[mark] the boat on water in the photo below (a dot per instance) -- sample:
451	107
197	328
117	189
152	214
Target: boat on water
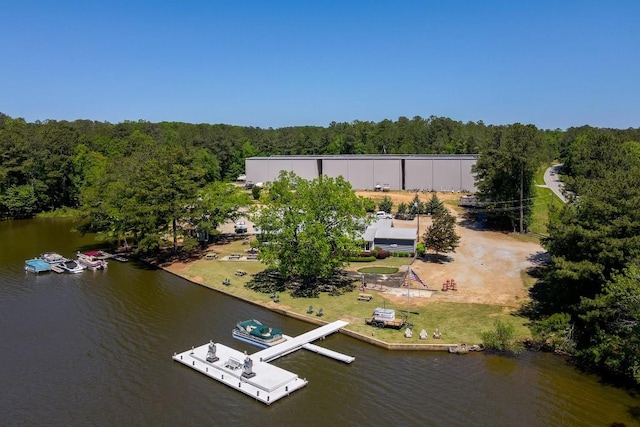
37	265
254	332
71	266
52	258
93	260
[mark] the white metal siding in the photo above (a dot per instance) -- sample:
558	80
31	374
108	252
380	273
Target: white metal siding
360	173
437	173
305	168
446	175
277	165
257	170
468	180
418	174
335	168
388	172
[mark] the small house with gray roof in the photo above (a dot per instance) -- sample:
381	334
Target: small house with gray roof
382	234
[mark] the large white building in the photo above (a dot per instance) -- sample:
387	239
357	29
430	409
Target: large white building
397	172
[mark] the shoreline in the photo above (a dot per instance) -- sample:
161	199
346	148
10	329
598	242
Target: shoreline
367	339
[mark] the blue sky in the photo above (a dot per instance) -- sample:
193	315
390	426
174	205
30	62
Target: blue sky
555	64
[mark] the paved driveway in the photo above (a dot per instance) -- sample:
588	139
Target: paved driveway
553	182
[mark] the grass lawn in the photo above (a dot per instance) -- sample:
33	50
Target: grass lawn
546	204
457	322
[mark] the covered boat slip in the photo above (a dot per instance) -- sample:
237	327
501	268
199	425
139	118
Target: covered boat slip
269	383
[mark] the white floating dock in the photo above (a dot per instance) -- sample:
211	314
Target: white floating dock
295	343
329	353
268	383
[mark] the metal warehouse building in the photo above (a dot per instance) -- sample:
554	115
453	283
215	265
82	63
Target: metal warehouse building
398	172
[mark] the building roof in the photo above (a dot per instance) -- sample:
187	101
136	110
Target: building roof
372	232
396	233
382	223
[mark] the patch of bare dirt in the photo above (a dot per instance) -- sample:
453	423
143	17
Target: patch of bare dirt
486	267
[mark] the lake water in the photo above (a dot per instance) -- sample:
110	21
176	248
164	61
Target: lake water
95	349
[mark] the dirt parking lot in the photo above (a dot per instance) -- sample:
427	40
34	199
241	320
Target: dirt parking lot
488	266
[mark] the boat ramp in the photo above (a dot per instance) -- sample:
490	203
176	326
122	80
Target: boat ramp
254	375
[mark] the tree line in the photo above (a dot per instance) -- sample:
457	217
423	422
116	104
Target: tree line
587	300
46	165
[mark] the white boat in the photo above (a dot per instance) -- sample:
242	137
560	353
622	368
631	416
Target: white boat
254	332
92	260
71	266
52	257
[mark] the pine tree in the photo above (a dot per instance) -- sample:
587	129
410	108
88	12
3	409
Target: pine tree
441	236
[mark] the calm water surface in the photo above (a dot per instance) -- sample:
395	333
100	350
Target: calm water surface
95	349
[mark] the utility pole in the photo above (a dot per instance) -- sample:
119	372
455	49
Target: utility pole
522	197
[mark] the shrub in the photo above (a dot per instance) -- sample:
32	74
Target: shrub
420	249
362	259
554	333
368	204
400	254
382	253
255	192
502	338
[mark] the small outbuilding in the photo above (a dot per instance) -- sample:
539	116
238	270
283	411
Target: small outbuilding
381	234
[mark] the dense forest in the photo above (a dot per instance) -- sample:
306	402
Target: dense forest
47	165
587	301
143	181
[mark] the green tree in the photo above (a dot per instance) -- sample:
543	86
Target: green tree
505	173
441	235
216	204
368	204
590	243
18	202
168	184
609	327
386	204
434	205
255	192
309	228
416	206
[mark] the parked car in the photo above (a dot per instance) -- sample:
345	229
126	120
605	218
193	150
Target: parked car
383	215
240	227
